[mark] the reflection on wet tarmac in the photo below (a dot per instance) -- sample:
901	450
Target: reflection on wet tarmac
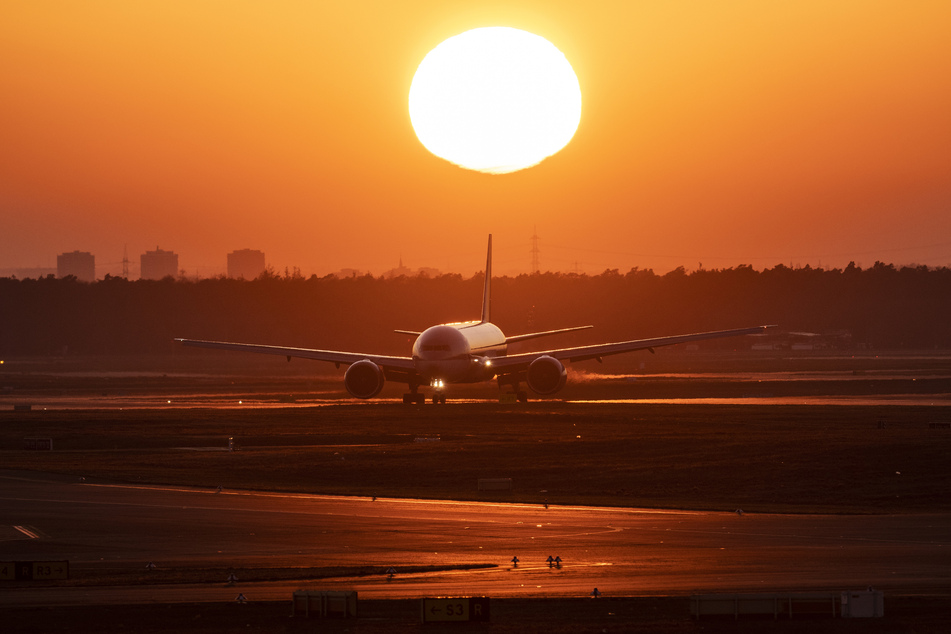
897	399
217	402
911	382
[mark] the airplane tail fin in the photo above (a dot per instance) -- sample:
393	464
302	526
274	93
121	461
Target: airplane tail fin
486	290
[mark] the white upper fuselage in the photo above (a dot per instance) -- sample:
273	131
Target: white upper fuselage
458	353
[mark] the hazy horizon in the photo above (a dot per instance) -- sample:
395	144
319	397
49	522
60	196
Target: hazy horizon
510	269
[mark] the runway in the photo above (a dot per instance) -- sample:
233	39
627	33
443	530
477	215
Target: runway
622	552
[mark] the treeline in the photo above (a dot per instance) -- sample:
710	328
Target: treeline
883	307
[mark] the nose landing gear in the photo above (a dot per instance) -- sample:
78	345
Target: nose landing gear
439	397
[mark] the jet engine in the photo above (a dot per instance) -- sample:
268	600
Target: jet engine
364	379
546	375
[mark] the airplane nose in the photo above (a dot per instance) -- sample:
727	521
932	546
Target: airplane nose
441	352
440	343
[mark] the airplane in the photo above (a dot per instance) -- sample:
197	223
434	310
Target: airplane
467	352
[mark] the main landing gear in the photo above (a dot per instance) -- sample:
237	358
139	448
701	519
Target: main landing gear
414	398
520	395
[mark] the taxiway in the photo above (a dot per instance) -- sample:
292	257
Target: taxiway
102	527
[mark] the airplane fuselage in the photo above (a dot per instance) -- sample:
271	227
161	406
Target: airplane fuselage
458	353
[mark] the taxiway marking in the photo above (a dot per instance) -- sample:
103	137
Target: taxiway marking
27	532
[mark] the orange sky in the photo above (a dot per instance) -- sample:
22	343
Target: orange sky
729	132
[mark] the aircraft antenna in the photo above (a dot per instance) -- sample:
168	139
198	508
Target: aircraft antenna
535	267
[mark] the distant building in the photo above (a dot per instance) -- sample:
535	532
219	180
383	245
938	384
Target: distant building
400	271
245	263
158	264
24	273
345	273
405	271
81	264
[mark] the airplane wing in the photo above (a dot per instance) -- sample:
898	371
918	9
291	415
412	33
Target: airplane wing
389	364
516	362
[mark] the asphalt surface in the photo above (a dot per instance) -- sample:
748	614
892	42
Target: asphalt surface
100	528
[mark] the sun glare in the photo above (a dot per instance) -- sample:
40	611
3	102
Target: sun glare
495	100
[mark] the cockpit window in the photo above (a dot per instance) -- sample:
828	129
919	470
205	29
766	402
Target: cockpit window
435	348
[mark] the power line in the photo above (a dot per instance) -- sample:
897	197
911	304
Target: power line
745	258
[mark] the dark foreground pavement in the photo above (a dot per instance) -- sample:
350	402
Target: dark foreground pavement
627	614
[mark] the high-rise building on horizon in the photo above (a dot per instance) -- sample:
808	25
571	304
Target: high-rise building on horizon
81	264
158	264
246	264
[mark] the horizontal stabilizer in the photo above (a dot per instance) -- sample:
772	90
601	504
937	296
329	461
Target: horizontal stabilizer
535	335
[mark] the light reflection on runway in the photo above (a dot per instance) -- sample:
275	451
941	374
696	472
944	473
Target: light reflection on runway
217	402
881	399
108	528
855	382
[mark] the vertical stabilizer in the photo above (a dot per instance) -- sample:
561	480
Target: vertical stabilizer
486	291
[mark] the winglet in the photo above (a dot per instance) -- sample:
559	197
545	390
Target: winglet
486	291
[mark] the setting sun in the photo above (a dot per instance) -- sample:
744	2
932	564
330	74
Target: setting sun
495	100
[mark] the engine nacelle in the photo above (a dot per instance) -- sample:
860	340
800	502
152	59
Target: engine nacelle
546	375
364	379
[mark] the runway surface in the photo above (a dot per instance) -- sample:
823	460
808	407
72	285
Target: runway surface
629	552
216	401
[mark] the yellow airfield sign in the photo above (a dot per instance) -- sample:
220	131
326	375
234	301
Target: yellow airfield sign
454	609
33	570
